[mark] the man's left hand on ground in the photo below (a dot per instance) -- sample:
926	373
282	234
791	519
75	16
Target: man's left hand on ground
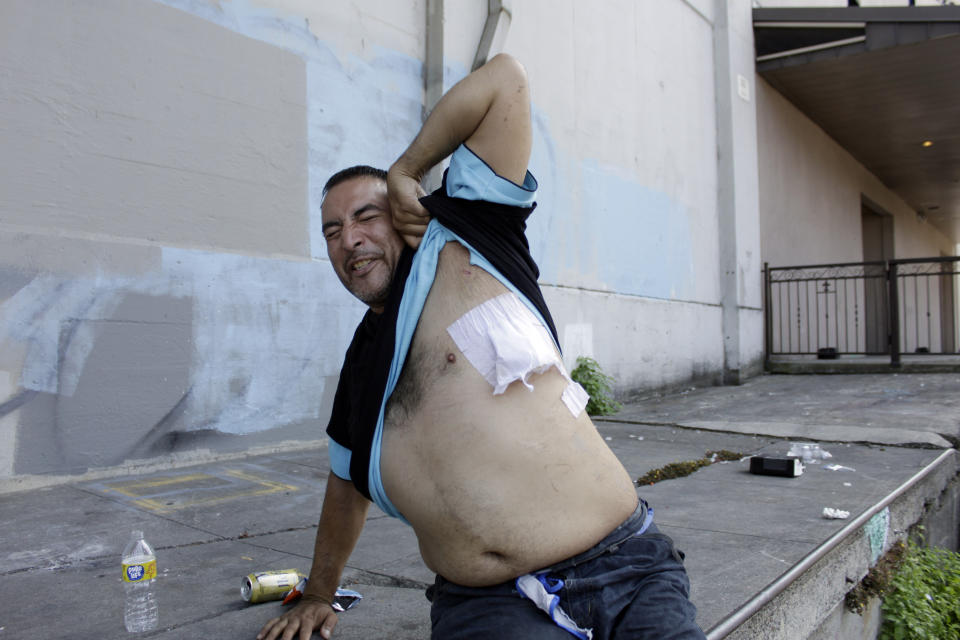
300	622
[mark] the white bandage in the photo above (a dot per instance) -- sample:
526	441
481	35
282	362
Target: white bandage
506	342
574	396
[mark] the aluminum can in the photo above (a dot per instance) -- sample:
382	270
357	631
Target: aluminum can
264	586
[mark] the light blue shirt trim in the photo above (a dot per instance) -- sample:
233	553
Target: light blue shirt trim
339	459
423	270
470	178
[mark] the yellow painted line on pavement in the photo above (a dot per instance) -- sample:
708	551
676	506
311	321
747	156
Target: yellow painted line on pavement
130	489
147	492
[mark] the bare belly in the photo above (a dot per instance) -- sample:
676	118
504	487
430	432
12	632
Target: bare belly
494	486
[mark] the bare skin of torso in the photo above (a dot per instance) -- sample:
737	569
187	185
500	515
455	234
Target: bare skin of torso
494	486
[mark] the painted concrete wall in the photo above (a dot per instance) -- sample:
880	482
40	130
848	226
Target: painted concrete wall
164	287
627	151
158	289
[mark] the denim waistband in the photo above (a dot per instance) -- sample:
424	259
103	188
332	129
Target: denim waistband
638	522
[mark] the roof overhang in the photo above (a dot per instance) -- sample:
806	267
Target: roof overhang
882	82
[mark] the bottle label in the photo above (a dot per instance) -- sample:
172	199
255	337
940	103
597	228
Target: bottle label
140	572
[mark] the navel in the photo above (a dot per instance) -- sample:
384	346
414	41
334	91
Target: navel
451	358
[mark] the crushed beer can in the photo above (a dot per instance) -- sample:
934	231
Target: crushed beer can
288	585
263	586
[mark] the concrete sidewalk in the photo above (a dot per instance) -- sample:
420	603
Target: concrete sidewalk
214	523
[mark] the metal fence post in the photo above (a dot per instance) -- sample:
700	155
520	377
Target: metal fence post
767	317
894	302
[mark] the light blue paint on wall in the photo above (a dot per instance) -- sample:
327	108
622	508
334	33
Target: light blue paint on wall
36	315
638	239
556	199
597	227
359	111
281	326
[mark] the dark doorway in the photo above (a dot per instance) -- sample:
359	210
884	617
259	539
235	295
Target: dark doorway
877	231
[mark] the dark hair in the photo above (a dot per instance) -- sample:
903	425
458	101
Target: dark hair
356	171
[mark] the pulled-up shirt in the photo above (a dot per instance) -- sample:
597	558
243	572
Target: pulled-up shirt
485	213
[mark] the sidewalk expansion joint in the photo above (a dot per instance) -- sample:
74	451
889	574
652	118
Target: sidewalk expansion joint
186	623
374	579
778	538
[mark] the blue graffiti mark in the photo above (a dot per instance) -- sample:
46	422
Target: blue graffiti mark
876	531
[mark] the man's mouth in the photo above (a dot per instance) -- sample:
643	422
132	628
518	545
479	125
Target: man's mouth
362	266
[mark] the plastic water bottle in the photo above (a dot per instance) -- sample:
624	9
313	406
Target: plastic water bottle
139	575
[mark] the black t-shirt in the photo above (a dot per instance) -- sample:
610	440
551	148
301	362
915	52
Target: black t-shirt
497	232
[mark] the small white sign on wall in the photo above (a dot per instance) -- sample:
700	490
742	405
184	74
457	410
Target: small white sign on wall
743	87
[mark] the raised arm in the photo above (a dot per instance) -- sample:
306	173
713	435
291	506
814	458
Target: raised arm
489	111
342	518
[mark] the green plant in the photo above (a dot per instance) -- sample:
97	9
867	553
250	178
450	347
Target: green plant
597	384
877	581
923	601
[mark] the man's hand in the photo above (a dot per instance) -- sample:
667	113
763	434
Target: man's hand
299	623
410	219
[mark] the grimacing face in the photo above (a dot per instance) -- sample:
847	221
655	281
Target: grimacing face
362	244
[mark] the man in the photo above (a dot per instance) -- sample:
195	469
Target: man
454	411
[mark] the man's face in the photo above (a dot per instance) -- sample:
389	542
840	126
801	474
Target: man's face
361	241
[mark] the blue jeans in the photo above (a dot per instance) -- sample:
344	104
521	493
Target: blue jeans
626	587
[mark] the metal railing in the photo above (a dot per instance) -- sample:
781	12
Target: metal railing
894	307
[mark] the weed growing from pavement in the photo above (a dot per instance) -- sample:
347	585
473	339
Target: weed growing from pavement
877	581
597	384
681	469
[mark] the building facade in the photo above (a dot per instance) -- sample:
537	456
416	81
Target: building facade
164	287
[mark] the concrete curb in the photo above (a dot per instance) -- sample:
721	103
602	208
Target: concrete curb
799	602
813	432
840	367
153	465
